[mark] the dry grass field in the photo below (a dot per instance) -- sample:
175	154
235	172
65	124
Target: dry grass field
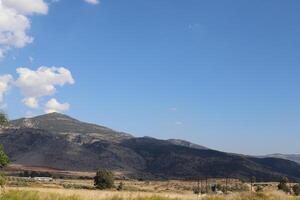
70	194
22	189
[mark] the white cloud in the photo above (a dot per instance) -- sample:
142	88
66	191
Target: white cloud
27	7
31	102
14	22
5	82
54	106
92	1
40	83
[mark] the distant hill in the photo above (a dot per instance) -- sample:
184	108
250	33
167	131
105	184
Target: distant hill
292	157
61	142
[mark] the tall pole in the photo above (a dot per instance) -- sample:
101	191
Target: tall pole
251	188
206	186
198	195
226	183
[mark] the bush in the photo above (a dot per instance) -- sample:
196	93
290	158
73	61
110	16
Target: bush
296	189
104	179
2	180
120	186
283	185
259	188
77	186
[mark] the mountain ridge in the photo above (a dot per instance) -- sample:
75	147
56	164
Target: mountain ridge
62	142
292	157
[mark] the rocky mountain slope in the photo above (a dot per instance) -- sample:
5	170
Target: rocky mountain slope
61	142
62	124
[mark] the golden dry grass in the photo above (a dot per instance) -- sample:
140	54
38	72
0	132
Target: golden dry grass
66	194
105	195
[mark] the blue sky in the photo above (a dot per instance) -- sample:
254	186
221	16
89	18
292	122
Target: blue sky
224	74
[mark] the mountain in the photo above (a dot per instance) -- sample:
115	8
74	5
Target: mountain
61	142
292	157
63	124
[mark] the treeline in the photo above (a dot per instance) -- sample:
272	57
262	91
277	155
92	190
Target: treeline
33	174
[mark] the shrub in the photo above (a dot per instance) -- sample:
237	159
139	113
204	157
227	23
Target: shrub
296	189
120	186
77	186
2	180
283	185
104	179
259	188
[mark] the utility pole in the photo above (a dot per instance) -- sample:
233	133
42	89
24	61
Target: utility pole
198	195
226	183
206	186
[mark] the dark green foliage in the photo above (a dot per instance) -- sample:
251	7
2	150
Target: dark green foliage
296	189
104	179
283	185
3	158
3	119
33	174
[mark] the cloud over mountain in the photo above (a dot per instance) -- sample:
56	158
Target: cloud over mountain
53	106
35	84
42	82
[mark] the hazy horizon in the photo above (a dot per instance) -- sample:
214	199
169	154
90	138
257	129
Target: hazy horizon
222	74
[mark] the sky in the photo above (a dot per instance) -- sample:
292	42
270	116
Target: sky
223	74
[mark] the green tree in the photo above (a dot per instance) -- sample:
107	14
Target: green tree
3	120
283	185
296	189
3	158
104	179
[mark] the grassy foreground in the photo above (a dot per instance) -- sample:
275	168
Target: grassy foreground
86	195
